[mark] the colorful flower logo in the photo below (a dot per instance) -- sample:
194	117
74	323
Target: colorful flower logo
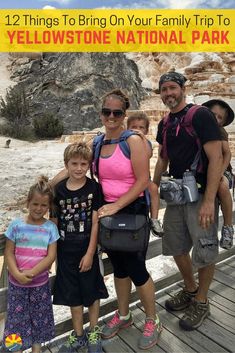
13	342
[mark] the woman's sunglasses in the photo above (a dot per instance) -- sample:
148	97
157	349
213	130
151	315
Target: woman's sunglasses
118	113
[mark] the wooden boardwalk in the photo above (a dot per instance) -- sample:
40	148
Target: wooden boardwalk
216	334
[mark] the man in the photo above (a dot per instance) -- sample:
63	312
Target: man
191	225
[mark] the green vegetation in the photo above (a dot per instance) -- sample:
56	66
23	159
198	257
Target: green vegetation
15	110
47	126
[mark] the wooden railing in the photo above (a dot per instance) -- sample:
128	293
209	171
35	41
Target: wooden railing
154	250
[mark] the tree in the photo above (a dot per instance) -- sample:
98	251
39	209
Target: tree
15	110
48	126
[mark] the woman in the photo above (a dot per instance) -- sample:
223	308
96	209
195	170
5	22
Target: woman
123	180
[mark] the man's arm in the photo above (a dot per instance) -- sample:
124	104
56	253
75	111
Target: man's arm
213	150
161	167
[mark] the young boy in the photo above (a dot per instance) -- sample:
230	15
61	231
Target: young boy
139	121
224	116
78	280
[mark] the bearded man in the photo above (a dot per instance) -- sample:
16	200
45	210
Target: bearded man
192	225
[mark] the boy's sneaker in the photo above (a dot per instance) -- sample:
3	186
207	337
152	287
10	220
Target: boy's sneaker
74	343
150	335
156	227
194	315
180	300
226	241
94	340
114	325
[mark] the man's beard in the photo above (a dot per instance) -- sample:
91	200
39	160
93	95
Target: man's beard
172	102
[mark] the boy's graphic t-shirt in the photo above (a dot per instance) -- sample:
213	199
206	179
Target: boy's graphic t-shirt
31	246
73	209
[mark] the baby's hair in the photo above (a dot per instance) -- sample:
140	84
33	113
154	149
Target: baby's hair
78	149
117	94
43	187
138	116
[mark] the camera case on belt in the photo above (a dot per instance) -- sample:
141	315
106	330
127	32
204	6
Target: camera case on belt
179	191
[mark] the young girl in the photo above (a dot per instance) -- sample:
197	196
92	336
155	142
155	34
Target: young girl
30	251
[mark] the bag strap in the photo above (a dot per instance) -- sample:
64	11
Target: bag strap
186	123
99	141
96	148
166	124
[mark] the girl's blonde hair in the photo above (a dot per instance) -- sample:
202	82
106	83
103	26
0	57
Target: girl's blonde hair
78	149
43	187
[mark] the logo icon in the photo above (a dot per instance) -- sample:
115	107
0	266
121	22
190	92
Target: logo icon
13	342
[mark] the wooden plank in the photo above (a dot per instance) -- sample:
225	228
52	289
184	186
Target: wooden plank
222	318
169	280
223	290
4	275
116	345
231	261
212	329
225	254
195	339
218	334
154	248
3	300
45	349
222	303
228	270
224	278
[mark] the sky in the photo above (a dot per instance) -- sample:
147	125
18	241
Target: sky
148	4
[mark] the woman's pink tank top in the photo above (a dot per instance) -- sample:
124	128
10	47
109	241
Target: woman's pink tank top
116	175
